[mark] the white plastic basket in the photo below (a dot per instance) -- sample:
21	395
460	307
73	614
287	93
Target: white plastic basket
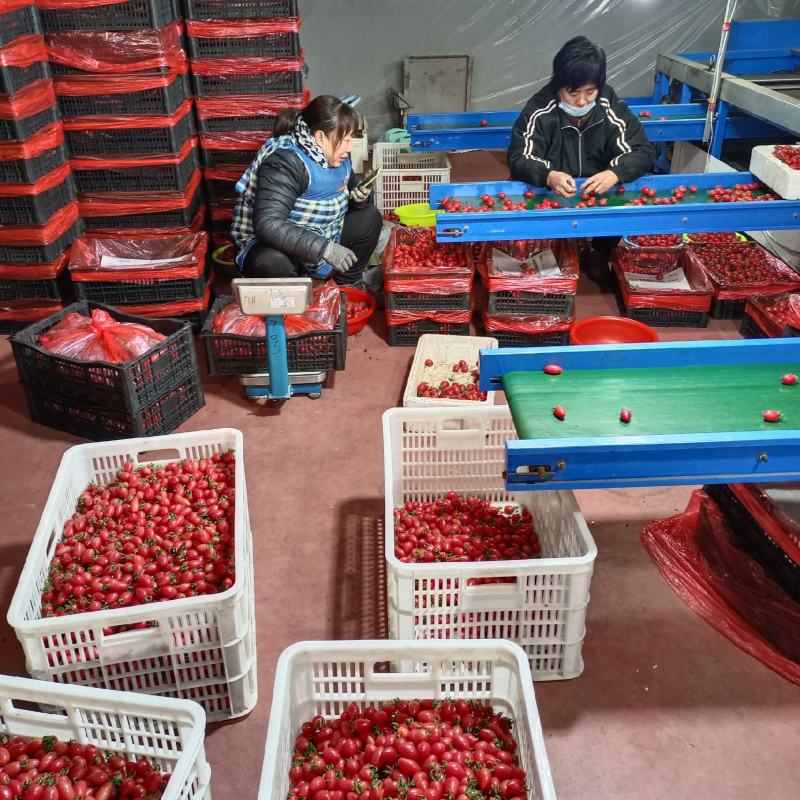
780	177
324	677
431	451
405	176
168	732
199	648
444	351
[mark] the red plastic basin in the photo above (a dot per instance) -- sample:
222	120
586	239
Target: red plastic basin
357	323
611	330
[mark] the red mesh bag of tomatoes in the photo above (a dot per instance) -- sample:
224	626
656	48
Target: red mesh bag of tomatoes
740	270
773	314
699	555
520	271
99	338
321	315
651	255
414	252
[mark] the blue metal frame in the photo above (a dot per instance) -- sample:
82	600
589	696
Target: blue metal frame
570	223
617	461
681	125
280	386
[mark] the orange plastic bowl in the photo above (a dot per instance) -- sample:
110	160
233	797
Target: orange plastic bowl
357	323
611	330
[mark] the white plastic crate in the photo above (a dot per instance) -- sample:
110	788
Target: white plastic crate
431	451
199	648
168	732
444	351
780	177
325	677
405	176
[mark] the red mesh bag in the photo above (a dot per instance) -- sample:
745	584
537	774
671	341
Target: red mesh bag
118	51
529	280
126	258
321	315
91	85
245	105
237	29
31	99
773	314
697	553
99	338
660	294
33	235
47	138
23	51
45	183
526	325
444	317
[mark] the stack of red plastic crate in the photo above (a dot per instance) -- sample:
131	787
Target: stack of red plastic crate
530	291
246	66
38	209
121	78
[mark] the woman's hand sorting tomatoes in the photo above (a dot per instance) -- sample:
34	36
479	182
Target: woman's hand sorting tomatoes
48	769
409	749
456	528
155	533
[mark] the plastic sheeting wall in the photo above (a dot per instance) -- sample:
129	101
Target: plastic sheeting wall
358	46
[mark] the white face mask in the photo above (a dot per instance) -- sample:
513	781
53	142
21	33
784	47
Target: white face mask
574	111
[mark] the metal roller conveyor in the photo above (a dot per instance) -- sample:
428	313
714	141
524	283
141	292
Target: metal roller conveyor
697	413
694	214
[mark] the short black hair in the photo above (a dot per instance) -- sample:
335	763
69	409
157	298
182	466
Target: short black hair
577	63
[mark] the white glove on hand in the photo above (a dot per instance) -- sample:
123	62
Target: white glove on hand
339	257
359	195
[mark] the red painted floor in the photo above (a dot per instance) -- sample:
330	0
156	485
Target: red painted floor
666	707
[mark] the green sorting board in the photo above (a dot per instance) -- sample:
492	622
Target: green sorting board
662	400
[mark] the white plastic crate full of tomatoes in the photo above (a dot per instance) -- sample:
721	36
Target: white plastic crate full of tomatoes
139	577
466	559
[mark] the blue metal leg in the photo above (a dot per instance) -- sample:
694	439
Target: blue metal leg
686	93
718	131
661	87
279	387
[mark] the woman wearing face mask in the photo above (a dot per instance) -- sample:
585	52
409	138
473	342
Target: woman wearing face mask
299	212
576	126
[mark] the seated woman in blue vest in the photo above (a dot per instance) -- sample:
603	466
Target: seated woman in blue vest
299	213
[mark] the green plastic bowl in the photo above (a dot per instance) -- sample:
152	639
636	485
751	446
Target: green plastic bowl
416	215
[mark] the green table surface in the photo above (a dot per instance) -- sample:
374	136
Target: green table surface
662	400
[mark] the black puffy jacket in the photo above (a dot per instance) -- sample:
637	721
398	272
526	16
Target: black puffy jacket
282	177
544	138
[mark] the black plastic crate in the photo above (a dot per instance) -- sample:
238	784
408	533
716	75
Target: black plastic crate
283	82
272	45
99	423
790	331
20	22
755	539
165	177
750	329
416	301
229	354
29	170
38	208
220	191
12	79
27	126
128	387
40	253
57	288
120	293
218	158
727	309
664	317
239	9
509	339
178	218
407	335
161	100
530	304
126	16
130	141
256	122
67	69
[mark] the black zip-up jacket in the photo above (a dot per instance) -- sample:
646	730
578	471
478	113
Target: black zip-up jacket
544	138
282	178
